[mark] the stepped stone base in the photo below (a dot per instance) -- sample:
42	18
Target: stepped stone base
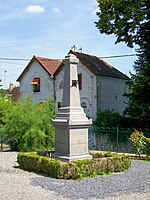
65	158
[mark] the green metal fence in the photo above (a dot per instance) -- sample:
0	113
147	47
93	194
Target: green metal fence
117	135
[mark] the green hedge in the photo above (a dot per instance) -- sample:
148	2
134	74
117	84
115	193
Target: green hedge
73	170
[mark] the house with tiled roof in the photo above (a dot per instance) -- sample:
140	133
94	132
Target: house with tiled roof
37	80
101	86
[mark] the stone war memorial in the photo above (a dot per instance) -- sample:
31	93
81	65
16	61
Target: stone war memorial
71	124
71	139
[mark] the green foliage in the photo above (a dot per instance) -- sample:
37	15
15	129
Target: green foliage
108	122
147	146
2	92
5	107
122	18
117	128
40	164
29	126
129	21
75	169
138	141
33	140
113	119
139	98
107	119
139	107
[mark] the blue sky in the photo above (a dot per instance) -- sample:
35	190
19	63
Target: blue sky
49	28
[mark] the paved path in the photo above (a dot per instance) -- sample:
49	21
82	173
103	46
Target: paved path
16	184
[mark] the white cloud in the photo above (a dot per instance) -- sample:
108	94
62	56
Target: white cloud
35	9
56	10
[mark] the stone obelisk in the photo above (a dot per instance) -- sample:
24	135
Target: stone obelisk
71	124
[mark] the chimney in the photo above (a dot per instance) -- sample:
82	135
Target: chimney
10	86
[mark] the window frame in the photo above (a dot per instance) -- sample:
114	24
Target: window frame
36	87
80	81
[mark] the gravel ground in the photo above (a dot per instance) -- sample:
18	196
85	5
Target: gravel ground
16	184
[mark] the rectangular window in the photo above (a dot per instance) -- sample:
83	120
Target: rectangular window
36	84
80	81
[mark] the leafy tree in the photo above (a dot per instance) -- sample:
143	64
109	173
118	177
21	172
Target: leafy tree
113	119
139	97
28	126
129	21
107	119
123	18
5	107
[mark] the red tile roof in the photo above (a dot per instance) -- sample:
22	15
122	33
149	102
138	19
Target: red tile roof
50	65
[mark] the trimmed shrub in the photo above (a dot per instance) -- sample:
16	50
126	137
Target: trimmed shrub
30	161
100	154
40	164
75	169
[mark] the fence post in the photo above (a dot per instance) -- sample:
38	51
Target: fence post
117	134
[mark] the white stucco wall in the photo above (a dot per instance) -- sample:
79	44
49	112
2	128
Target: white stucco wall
46	83
59	81
110	94
88	92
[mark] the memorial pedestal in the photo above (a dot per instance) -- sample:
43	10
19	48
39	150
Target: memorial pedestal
71	124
